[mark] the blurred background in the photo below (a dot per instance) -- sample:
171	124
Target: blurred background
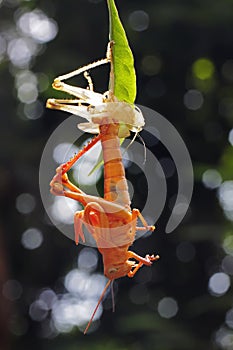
48	286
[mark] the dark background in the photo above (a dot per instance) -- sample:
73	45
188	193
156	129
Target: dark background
175	35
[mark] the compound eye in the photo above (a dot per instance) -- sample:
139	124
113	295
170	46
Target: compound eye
112	270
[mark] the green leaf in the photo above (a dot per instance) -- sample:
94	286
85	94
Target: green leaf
123	62
98	164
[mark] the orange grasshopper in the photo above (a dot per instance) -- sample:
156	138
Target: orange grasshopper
110	220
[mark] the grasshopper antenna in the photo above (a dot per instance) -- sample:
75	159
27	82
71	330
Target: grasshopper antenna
132	141
144	145
113	298
98	304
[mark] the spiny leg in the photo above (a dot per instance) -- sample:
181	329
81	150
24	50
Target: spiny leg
60	181
136	214
78	222
83	69
145	261
89	66
87	96
142	261
68	165
61	177
79	107
149	258
84	95
68	104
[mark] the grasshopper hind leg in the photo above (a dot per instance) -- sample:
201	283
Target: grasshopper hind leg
78	223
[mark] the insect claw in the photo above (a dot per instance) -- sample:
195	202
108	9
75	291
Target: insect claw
154	257
57	84
50	103
56	188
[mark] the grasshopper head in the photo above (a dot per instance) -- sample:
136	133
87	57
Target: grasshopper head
115	271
